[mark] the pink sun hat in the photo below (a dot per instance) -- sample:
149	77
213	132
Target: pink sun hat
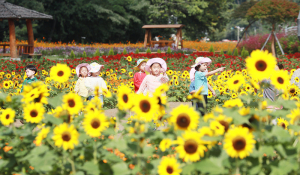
80	66
203	60
197	61
156	60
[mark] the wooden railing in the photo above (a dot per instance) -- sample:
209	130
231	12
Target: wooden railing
21	49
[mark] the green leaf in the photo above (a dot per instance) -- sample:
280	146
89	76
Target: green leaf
148	151
53	120
281	134
280	149
212	165
255	170
268	150
284	167
56	100
187	169
79	173
91	168
120	168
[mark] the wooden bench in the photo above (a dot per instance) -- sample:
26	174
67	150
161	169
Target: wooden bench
162	43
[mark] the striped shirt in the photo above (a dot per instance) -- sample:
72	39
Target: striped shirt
150	83
269	92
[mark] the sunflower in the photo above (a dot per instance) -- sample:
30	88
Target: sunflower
106	93
171	82
280	79
209	94
296	79
41	135
73	71
165	144
125	98
107	73
233	95
225	121
65	136
63	113
282	122
94	123
176	83
169	166
60	73
294	115
292	89
6	84
72	103
261	64
129	58
130	74
123	71
206	131
239	142
33	112
295	98
184	118
145	107
7	116
217	127
235	82
8	76
190	146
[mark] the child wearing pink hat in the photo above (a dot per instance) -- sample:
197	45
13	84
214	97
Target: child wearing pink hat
155	66
82	71
95	81
201	81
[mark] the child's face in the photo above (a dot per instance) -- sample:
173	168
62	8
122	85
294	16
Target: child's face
155	68
203	67
95	74
83	71
142	66
29	73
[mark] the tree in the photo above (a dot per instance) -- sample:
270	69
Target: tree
273	12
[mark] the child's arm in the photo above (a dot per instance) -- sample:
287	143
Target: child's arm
143	86
103	85
76	89
137	82
221	69
164	78
211	89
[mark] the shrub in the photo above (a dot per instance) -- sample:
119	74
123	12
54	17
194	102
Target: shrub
97	53
229	52
137	50
169	51
236	52
111	52
84	54
222	52
158	51
211	49
72	54
148	50
124	51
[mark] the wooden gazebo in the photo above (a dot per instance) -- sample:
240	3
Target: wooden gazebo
13	12
148	41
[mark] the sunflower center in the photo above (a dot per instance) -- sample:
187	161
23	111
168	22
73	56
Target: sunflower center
6	84
125	98
71	103
33	113
190	146
239	143
283	125
183	120
236	82
159	101
66	136
225	124
169	170
280	80
261	65
292	91
95	123
7	116
60	73
145	106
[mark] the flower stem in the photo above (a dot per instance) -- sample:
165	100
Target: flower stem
72	163
237	172
95	152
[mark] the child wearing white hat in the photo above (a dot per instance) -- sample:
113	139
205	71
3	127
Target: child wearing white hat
95	81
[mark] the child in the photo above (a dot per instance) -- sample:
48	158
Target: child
155	66
201	80
95	81
30	71
139	76
193	71
82	71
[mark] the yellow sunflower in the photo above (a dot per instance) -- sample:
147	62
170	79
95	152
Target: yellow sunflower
261	64
7	117
73	103
60	73
170	72
73	71
165	144
282	122
145	107
292	89
129	58
217	127
125	98
106	93
6	84
190	146
33	112
296	79
130	74
294	115
41	135
280	79
94	123
65	136
184	118
239	142
235	82
169	166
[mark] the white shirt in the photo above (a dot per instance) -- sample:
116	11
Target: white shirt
92	82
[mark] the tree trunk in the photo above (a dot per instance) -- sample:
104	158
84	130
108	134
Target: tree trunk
273	41
12	39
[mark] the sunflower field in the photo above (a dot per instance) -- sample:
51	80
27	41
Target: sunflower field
241	133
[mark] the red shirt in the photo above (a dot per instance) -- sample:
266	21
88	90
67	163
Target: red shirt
138	79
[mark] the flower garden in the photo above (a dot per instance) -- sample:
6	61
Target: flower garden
64	134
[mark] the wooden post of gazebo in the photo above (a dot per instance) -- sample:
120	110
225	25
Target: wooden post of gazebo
13	12
148	37
30	35
12	38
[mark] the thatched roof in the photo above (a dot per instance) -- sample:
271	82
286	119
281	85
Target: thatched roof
11	11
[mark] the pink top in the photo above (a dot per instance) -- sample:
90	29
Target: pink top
138	79
150	83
